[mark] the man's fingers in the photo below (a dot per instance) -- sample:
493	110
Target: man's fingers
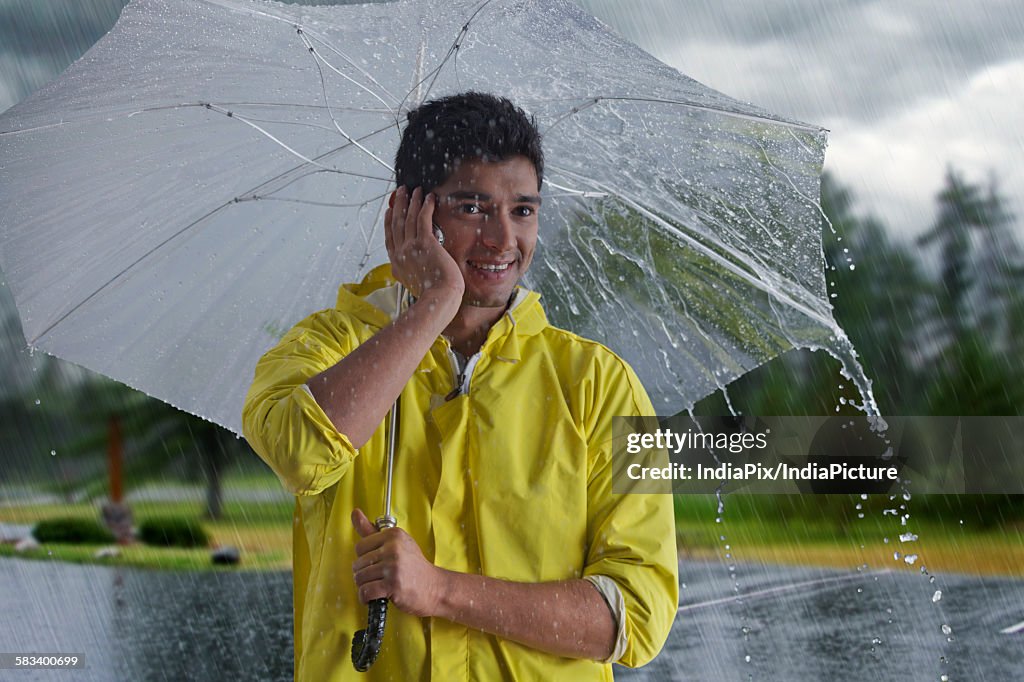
394	223
362	524
371	572
425	224
373	557
413	212
389	243
373	590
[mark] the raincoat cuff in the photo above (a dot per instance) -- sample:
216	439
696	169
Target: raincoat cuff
340	448
613	597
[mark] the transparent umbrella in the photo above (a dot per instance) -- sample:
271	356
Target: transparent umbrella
211	170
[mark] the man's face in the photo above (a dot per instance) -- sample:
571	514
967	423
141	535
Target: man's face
488	213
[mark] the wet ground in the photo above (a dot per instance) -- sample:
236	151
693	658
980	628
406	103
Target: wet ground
794	624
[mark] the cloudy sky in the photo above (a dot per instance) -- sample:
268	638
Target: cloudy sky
906	87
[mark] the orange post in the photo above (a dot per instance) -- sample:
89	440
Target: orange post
114	456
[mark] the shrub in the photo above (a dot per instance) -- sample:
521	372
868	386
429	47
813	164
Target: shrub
72	531
173	532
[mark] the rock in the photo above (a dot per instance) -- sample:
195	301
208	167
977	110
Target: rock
118	518
107	553
226	555
26	544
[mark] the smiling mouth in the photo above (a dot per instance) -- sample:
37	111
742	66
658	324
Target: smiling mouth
491	267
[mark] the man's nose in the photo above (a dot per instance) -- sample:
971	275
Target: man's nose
498	233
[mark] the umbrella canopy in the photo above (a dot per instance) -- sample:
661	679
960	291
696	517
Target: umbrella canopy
211	170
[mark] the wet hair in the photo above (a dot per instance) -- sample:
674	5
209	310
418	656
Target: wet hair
443	132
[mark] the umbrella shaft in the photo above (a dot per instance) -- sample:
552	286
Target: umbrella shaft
392	437
387	520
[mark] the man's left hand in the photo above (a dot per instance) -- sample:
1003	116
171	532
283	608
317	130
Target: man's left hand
390	565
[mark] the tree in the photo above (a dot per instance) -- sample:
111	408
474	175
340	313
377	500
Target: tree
155	435
980	261
978	313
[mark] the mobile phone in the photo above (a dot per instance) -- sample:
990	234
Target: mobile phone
439	234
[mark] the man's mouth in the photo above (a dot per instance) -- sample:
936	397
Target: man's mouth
491	267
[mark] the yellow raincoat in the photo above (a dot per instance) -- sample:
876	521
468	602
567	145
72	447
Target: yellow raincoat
511	479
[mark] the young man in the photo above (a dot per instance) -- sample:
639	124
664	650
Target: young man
512	559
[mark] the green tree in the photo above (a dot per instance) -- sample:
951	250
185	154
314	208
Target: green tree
977	313
156	437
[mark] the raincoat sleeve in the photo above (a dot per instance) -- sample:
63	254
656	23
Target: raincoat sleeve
281	420
631	537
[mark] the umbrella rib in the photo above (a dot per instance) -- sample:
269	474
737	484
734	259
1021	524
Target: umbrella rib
693	105
296	25
155	248
128	267
310	202
231	114
569	192
351	63
317	57
572	111
117	276
327	103
295	168
451	50
186	105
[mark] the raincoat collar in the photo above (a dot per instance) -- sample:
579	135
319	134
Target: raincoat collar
373	301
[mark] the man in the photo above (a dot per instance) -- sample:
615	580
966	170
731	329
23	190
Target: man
512	559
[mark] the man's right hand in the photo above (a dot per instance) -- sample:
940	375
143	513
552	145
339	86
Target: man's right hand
357	392
417	259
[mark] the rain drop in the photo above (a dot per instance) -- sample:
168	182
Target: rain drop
937	596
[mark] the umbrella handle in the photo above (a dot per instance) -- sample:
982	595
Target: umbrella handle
366	643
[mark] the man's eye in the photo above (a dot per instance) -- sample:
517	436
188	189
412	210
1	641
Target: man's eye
525	211
472	209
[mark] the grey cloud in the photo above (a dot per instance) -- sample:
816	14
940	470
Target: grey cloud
877	56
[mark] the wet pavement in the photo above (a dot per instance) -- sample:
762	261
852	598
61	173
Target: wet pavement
788	623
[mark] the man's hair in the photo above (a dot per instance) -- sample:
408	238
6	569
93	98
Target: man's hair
443	132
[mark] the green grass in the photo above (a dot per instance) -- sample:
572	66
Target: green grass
142	556
810	529
826	530
261	530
